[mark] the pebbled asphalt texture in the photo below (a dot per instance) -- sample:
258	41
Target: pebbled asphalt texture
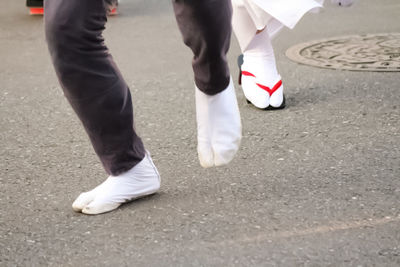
315	184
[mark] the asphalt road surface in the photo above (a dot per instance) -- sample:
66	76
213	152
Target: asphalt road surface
315	184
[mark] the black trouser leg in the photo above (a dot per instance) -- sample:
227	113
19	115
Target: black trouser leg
206	29
91	81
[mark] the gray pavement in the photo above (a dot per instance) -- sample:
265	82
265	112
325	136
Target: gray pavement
316	184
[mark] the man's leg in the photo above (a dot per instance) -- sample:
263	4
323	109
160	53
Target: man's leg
97	92
91	81
206	29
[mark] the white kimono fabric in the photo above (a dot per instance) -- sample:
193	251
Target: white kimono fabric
252	15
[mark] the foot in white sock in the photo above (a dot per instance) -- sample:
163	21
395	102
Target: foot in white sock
261	82
219	129
140	181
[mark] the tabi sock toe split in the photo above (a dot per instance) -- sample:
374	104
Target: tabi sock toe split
142	180
218	127
259	72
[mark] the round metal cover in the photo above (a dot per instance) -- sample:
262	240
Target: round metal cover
370	52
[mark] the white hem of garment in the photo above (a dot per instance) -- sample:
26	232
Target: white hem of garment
272	15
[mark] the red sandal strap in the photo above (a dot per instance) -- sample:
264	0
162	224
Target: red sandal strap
246	73
269	90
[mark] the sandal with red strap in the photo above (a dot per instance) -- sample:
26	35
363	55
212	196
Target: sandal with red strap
270	91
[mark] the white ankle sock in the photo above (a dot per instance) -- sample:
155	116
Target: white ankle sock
259	71
219	129
141	180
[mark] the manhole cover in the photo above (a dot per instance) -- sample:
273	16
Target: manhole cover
371	52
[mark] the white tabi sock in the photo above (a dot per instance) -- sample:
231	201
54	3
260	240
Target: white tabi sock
219	129
142	180
261	82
